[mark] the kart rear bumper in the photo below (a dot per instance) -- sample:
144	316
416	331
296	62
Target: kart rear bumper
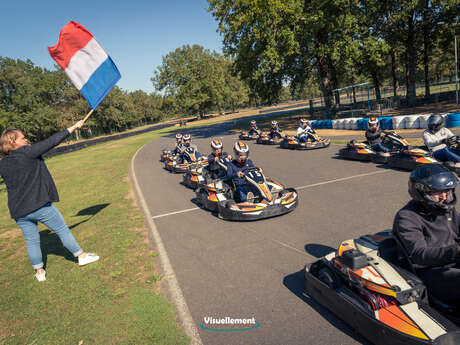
318	145
354	155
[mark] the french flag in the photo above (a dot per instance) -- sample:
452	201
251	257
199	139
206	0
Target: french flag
85	62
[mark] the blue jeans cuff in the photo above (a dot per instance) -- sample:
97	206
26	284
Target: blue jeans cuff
38	266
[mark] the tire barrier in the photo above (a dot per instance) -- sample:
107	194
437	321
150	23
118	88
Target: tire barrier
387	122
453	120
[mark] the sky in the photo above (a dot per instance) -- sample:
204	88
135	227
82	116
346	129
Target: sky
137	34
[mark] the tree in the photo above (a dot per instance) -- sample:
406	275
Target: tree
196	80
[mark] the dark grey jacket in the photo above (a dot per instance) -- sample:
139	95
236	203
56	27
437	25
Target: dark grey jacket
28	181
431	241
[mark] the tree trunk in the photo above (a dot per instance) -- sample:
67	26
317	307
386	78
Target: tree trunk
426	47
411	61
393	72
323	63
376	81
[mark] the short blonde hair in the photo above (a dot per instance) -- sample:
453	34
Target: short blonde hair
8	139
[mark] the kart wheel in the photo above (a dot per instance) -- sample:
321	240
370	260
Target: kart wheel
329	278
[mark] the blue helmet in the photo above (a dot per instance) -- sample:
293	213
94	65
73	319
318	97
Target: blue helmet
431	178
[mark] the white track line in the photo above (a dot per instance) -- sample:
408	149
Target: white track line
297	188
181	305
175	212
342	179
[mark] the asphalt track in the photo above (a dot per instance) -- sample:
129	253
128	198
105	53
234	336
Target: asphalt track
254	269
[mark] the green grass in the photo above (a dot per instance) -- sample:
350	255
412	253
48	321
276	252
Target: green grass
117	300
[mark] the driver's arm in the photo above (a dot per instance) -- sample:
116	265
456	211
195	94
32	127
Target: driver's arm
410	230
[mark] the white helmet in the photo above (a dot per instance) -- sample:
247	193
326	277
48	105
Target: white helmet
178	136
303	121
373	124
241	149
216	144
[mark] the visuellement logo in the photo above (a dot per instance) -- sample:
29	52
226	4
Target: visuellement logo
229	324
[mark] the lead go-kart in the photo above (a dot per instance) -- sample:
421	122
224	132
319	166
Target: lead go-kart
180	163
198	173
249	136
270	198
402	156
367	284
269	139
293	143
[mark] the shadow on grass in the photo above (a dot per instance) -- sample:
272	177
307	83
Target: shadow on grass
50	242
295	282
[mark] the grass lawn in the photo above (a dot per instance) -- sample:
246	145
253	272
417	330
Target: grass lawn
114	301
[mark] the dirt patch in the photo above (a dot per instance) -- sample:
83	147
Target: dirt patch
10	234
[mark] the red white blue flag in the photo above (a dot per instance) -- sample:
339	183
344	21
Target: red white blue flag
85	62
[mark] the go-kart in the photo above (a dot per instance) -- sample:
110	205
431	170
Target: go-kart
365	285
180	163
293	143
165	154
198	174
402	155
194	175
357	151
249	136
411	158
268	139
269	199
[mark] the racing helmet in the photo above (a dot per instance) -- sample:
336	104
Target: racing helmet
241	149
274	124
187	138
216	144
373	124
253	123
178	136
426	180
435	123
303	121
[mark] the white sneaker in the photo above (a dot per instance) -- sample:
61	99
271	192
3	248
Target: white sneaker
89	258
41	277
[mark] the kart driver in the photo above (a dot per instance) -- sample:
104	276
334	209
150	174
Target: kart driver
215	170
436	137
189	148
428	227
275	131
374	135
236	169
179	145
305	132
253	129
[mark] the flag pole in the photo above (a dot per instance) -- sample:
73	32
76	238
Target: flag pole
88	115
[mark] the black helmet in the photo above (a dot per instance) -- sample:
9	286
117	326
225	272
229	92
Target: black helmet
429	179
435	123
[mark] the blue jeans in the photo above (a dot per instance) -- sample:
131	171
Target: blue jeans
242	192
380	148
445	155
52	218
